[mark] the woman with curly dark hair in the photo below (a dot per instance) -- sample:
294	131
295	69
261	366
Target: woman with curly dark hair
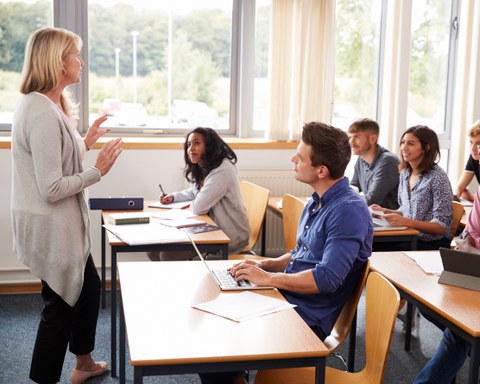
215	189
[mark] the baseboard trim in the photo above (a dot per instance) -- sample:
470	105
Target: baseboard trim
13	288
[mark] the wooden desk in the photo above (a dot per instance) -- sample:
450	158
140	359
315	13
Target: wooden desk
405	235
167	336
456	308
207	241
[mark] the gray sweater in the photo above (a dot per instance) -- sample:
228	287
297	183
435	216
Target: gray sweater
221	199
50	222
379	180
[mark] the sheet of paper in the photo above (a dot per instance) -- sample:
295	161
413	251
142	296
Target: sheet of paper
374	212
243	306
172	214
174	205
152	233
466	203
429	261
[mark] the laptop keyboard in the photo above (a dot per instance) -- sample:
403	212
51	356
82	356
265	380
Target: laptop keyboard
227	280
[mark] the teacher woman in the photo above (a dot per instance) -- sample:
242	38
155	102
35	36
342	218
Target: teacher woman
50	221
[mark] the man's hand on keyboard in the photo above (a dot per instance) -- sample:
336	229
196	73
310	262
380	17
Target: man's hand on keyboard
251	271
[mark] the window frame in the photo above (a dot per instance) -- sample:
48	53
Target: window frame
73	15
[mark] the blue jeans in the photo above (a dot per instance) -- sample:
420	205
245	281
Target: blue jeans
447	360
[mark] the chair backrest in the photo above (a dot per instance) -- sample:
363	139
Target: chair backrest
382	301
292	208
256	201
381	308
344	321
457	216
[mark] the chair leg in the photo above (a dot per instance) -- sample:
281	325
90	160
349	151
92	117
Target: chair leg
352	344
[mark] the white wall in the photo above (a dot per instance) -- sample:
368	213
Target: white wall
136	173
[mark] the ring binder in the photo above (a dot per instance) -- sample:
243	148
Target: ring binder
116	203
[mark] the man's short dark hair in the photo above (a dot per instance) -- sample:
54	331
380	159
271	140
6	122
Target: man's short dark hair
364	125
330	147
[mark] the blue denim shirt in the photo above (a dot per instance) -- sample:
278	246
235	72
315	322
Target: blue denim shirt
334	240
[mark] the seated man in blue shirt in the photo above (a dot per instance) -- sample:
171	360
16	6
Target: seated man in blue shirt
334	238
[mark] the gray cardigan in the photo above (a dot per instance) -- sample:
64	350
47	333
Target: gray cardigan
50	222
221	198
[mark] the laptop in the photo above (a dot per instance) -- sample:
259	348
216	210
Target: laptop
461	269
223	278
384	225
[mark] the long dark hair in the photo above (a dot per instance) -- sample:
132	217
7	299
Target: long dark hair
430	145
215	151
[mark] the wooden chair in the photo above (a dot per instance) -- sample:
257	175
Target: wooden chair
345	320
256	201
382	300
457	216
292	208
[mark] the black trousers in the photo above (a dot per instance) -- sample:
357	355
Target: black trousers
405	246
62	325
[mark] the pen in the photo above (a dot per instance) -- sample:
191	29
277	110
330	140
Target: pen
161	189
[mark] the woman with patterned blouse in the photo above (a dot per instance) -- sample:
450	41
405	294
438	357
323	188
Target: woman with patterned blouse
424	192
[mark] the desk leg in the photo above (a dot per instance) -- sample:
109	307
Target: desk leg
225	251
121	368
408	326
351	344
413	244
264	236
103	267
474	362
137	375
320	371
113	352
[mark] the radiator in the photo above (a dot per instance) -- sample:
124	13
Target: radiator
278	183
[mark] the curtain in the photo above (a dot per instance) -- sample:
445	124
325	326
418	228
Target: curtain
466	108
301	65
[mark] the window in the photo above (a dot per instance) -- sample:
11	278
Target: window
18	20
154	66
262	49
430	65
357	43
160	65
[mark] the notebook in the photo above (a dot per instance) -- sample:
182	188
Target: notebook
384	225
461	269
223	278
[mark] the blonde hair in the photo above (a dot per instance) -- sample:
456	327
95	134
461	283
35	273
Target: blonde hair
474	129
43	64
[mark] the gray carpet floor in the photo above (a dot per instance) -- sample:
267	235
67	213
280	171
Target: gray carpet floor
19	316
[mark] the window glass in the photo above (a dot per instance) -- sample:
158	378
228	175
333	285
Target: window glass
262	49
18	19
357	42
160	64
429	63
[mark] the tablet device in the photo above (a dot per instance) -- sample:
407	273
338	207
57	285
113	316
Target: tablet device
461	269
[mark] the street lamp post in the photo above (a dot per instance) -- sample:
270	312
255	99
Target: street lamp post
117	73
134	37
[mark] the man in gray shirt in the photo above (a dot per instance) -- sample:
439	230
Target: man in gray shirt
376	169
